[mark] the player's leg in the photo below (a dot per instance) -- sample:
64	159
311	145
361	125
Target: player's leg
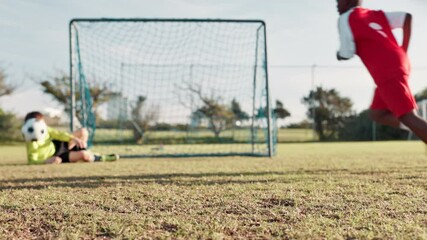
416	124
61	152
384	117
53	160
391	100
381	114
80	156
88	156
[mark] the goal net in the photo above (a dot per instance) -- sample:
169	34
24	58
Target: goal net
171	87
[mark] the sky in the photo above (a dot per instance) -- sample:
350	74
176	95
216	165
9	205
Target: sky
300	34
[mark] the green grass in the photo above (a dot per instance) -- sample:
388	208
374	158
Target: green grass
238	136
161	143
295	135
309	191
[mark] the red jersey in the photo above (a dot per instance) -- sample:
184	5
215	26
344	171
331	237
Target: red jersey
368	33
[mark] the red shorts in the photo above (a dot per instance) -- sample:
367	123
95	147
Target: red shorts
394	95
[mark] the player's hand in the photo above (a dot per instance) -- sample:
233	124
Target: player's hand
79	143
340	58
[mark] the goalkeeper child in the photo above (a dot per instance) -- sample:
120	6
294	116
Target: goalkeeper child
46	145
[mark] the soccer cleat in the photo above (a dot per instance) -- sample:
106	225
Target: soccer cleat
110	157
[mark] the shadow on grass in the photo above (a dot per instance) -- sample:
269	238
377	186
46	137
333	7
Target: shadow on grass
176	179
189	179
12	164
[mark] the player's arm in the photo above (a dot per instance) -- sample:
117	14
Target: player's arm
347	46
407	27
59	135
35	158
66	137
78	142
401	20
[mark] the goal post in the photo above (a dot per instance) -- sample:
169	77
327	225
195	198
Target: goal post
422	112
172	87
422	108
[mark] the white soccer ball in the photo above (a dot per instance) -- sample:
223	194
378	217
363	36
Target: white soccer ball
34	130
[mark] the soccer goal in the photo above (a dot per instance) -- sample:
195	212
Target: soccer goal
422	112
422	108
172	87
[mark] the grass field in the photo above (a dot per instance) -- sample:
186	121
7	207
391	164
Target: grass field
283	135
308	191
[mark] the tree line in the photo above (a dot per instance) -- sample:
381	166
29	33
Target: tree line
335	120
332	115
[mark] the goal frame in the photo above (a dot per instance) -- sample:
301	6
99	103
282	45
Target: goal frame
422	112
270	137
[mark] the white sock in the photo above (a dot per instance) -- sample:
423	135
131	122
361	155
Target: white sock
404	127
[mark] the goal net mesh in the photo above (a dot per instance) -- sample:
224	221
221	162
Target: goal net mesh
172	87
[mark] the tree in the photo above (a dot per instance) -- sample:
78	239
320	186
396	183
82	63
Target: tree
220	116
9	124
357	128
9	127
5	89
142	118
58	87
360	128
280	112
421	95
328	110
305	124
239	114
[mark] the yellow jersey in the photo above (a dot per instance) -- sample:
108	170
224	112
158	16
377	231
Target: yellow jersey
39	151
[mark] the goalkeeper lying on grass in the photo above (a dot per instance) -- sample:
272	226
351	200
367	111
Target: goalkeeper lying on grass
46	145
